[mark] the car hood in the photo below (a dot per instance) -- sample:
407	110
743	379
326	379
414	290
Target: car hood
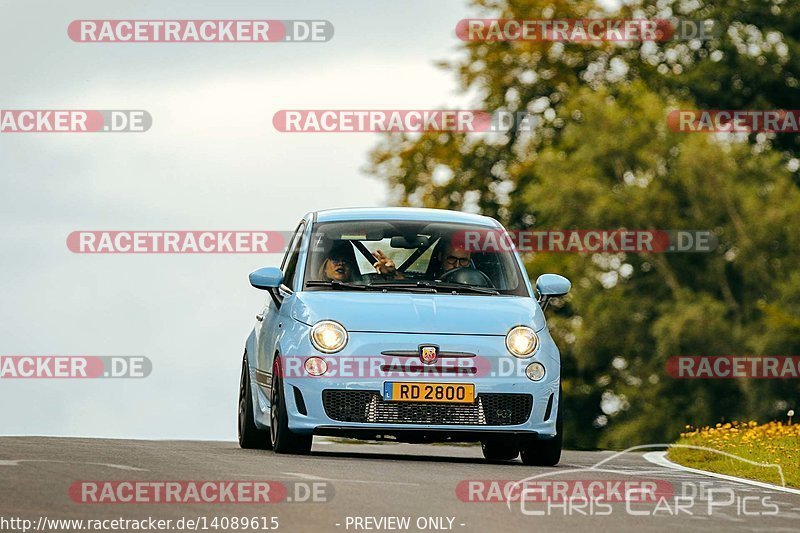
418	313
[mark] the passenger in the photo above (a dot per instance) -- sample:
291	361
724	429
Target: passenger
338	265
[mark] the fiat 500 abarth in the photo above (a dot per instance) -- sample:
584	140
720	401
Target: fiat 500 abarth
415	325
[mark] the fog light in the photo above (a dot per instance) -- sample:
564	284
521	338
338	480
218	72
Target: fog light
535	371
316	366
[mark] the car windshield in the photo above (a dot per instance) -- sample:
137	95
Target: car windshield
409	256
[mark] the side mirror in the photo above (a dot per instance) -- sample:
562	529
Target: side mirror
551	286
266	278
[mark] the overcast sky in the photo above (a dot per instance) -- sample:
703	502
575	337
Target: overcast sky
212	160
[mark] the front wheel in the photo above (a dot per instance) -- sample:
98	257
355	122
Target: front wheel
283	439
249	434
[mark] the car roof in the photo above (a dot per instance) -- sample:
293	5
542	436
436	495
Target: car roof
404	213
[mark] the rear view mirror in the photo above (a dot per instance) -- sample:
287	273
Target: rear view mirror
407	243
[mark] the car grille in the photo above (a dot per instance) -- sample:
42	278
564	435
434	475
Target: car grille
369	407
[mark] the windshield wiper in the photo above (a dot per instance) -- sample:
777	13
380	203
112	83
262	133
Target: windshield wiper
462	288
412	287
336	284
436	285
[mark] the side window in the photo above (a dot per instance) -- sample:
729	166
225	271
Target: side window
289	265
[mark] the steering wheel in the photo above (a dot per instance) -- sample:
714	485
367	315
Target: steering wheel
468	276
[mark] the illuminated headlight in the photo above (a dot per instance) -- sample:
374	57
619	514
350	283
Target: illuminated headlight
522	341
328	336
316	366
535	371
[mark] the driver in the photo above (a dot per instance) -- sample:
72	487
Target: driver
452	257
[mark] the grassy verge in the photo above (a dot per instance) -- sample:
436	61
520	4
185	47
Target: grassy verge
774	443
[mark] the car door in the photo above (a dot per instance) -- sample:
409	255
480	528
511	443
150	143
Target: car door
269	325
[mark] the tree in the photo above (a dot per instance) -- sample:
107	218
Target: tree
602	157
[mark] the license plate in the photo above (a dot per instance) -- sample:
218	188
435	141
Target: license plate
429	392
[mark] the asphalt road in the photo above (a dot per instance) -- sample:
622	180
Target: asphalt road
365	484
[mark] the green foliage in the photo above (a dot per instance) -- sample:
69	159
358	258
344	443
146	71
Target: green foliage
602	157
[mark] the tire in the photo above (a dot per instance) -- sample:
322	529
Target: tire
499	449
546	452
250	436
283	439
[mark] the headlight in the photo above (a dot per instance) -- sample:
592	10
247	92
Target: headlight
522	341
328	336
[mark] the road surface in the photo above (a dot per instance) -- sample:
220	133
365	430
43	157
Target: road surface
360	487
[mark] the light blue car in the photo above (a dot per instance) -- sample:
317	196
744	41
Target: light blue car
415	325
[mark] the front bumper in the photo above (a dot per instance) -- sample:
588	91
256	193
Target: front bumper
498	375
